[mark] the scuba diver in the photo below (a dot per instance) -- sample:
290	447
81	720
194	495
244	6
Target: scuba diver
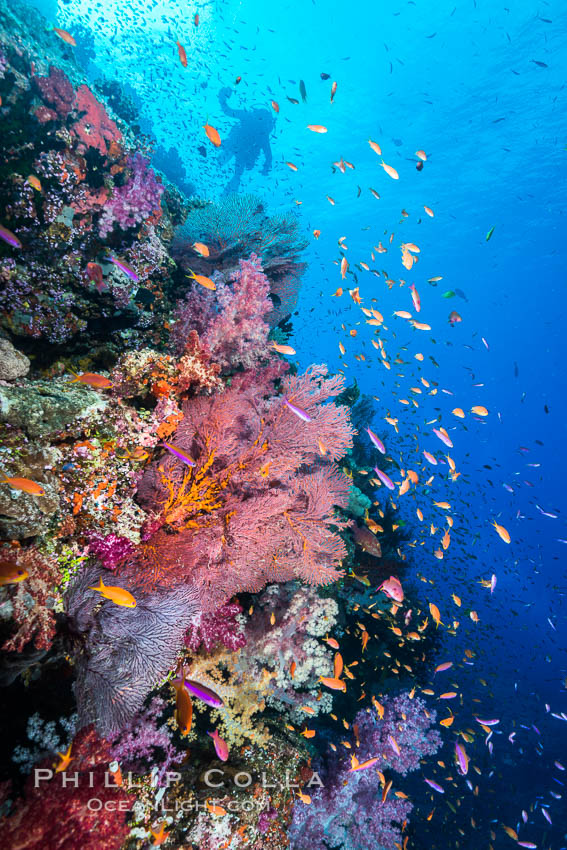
246	140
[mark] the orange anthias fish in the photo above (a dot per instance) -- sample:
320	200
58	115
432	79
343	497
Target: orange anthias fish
332	683
160	836
65	36
283	349
91	379
317	128
435	613
390	170
182	54
203	280
65	759
214	809
183	706
26	485
356	765
502	532
212	135
115	594
11	573
201	249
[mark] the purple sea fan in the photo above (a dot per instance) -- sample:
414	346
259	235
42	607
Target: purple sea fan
122	653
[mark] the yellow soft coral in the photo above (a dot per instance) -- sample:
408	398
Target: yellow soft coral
243	696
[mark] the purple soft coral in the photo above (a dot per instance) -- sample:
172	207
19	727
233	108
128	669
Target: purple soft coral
132	203
110	550
221	626
348	809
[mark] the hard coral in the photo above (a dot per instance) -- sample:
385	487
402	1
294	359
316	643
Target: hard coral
63	817
94	128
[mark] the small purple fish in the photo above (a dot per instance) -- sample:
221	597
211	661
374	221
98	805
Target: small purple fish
529	844
546	815
546	513
298	411
384	479
377	441
179	453
394	745
487	722
443	437
124	267
200	691
7	236
462	759
434	785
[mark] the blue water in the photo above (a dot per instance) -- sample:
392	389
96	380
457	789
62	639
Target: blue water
480	87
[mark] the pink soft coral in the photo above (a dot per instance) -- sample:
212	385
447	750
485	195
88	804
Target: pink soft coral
231	322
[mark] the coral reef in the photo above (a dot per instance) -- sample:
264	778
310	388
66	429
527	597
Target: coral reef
33	599
178	497
56	815
231	325
123	652
136	201
237	226
259	504
348	809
